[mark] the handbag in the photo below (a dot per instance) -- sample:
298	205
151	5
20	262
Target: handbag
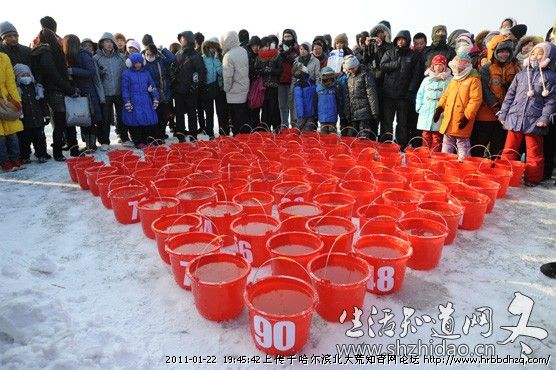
78	111
255	97
8	110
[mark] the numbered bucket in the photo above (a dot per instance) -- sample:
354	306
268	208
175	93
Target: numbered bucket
251	233
109	182
255	202
387	255
475	206
217	218
218	282
280	313
152	208
125	200
334	231
291	191
193	197
341	283
362	191
93	173
335	204
167	226
406	200
452	214
183	247
379	219
298	246
485	186
294	215
427	239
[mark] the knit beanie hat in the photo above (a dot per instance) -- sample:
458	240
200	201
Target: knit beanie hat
306	46
327	71
350	62
439	59
436	39
7	28
342	37
134	44
49	22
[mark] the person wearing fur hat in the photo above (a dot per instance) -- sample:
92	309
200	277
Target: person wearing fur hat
329	101
121	44
527	110
187	74
360	42
111	64
453	37
460	103
375	46
141	99
341	43
289	51
507	25
496	78
524	47
437	77
485	54
268	66
402	72
360	100
213	84
439	45
158	62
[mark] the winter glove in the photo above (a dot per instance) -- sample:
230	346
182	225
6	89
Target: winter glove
46	121
150	89
155	104
542	124
128	107
437	114
464	121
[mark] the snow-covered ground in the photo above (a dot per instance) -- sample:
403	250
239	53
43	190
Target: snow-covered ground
80	291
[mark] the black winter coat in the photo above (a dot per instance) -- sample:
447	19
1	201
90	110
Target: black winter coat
371	57
401	73
269	69
32	108
188	61
18	54
433	50
360	96
53	77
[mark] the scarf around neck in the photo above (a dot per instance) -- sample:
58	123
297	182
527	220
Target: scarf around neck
463	74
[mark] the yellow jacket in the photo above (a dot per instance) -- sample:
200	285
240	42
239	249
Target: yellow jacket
8	88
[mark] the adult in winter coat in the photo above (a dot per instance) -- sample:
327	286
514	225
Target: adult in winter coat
289	51
438	46
82	70
460	103
236	81
158	63
437	77
528	108
48	62
360	43
214	82
268	66
376	45
187	75
401	82
318	49
307	59
19	54
496	78
361	100
111	65
252	47
141	99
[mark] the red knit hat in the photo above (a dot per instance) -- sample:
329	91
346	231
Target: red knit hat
439	59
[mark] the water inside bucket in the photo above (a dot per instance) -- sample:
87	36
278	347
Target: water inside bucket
419	232
129	193
219	210
330	229
469	199
254	228
219	272
302	210
194	248
339	274
158	205
282	302
381	251
194	195
250	202
293	249
174	229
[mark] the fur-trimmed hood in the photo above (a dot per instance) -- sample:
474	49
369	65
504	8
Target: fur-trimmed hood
207	44
504	45
453	37
525	40
383	28
229	41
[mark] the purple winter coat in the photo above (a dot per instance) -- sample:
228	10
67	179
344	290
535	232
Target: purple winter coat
521	112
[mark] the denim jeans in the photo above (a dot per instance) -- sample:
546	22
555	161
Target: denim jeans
9	148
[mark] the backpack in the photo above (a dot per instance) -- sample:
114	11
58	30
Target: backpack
255	97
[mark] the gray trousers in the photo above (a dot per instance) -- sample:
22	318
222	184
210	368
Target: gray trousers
285	103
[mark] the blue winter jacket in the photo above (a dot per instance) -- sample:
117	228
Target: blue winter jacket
83	77
162	64
214	70
304	97
135	89
328	101
429	94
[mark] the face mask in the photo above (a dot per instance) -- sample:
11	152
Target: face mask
25	80
534	63
150	59
272	46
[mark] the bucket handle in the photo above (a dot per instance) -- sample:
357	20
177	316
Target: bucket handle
500	158
201	256
254	280
432	213
482	146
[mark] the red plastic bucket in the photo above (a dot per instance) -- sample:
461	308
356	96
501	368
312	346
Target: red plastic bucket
378	219
207	165
152	208
147	176
93	173
71	162
266	166
452	214
459	169
341	283
235	172
168	187
228	188
320	166
296	173
167	226
387	180
298	246
475	206
109	182
183	247
218	282
335	204
80	172
485	186
195	196
500	175
255	202
427	240
280	313
295	191
176	170
387	255
335	232
294	215
517	168
203	178
390	159
362	191
124	201
410	173
217	218
251	233
406	200
321	182
264	181
130	166
430	190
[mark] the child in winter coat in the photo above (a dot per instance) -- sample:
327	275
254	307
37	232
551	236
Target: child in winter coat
329	101
524	47
304	91
496	77
460	103
140	98
437	78
34	113
528	108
